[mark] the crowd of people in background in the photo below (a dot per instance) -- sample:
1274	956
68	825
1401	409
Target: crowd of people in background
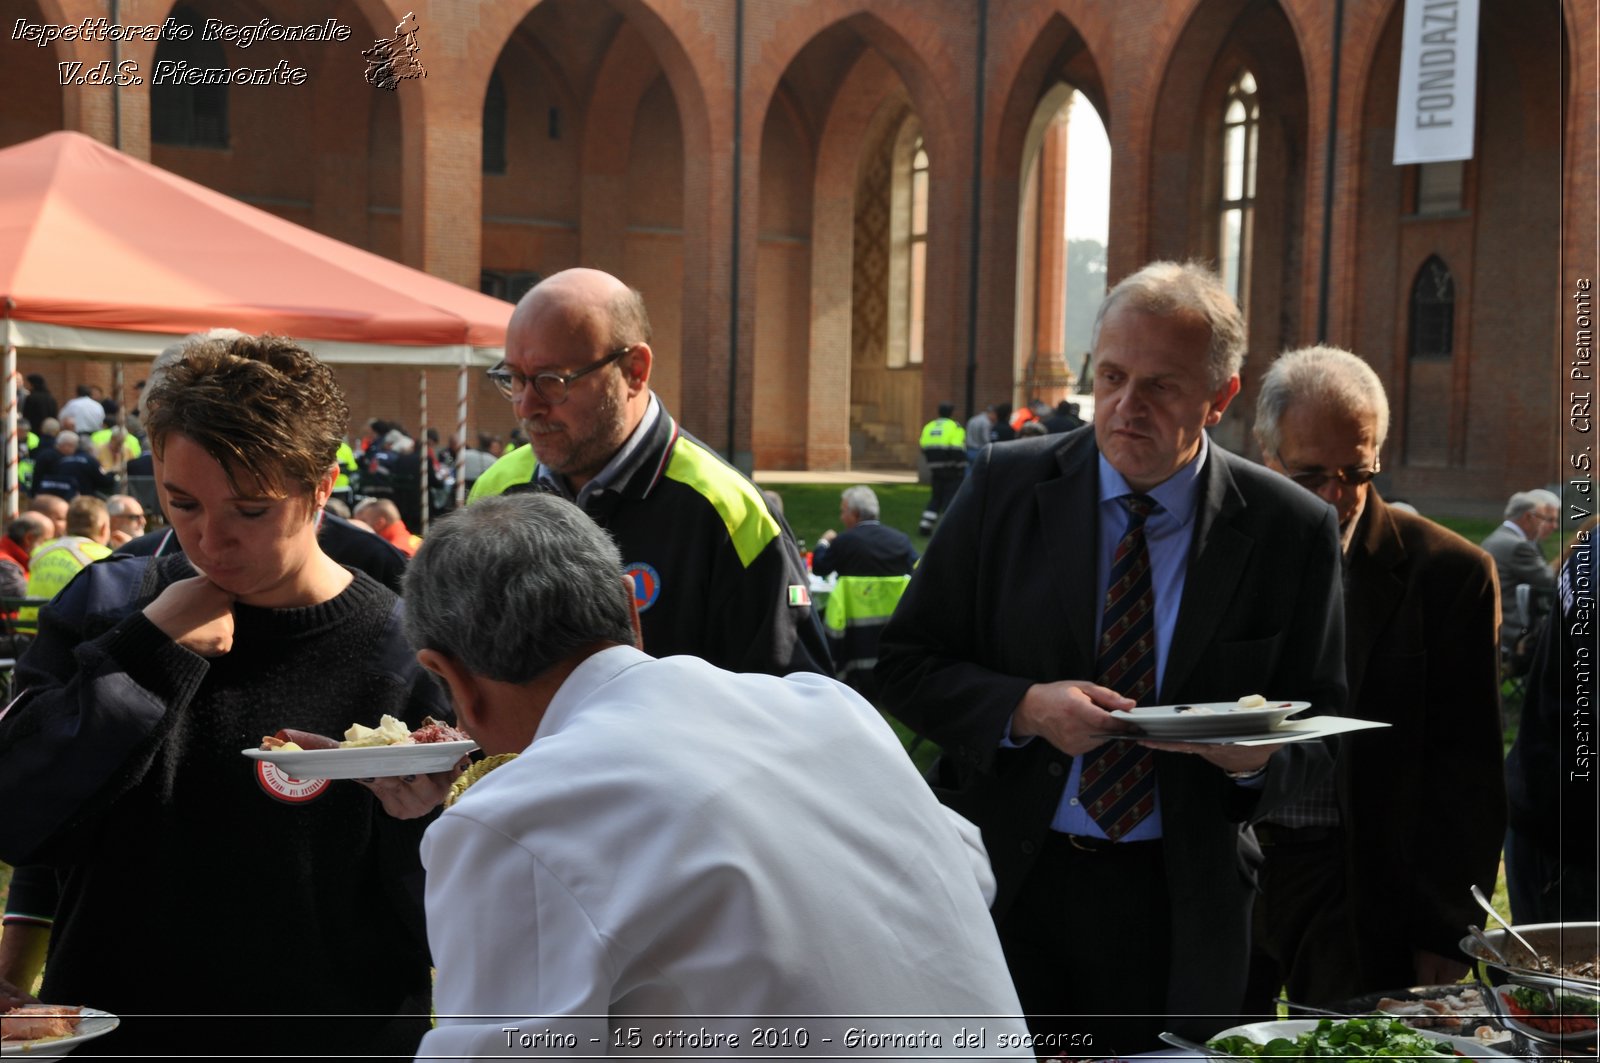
93	446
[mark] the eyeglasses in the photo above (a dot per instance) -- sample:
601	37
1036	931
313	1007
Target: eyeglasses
139	517
552	387
1313	481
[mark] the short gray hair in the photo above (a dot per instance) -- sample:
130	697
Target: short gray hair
1168	288
1322	376
1523	501
861	501
514	585
117	505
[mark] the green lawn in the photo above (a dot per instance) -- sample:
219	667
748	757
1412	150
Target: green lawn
812	509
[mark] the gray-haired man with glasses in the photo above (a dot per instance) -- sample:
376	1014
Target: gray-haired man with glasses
1333	918
715	573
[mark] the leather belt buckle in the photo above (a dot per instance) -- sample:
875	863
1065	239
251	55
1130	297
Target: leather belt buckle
1087	844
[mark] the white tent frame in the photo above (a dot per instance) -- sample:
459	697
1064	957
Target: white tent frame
66	341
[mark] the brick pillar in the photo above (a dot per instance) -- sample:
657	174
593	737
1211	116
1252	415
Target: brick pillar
1048	376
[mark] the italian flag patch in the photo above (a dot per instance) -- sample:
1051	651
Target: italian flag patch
798	595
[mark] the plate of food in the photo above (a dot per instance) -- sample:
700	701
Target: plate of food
387	750
1549	1013
1252	715
51	1029
1347	1038
1458	1010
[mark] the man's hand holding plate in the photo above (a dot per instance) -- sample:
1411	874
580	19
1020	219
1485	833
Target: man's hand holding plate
1072	715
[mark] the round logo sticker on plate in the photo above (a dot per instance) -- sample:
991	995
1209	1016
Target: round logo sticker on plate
646	584
281	786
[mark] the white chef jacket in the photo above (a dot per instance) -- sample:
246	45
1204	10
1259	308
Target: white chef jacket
685	855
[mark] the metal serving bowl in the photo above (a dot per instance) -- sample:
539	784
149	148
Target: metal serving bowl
1562	943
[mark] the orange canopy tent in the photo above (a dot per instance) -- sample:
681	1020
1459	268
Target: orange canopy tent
101	254
105	256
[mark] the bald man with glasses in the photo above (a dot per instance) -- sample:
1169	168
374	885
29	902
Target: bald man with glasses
1349	902
127	518
715	573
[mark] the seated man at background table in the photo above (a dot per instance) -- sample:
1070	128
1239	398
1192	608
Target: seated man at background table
383	517
1352	901
866	547
674	842
1517	546
23	535
127	519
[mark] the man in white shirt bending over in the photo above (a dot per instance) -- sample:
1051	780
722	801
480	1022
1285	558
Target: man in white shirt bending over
680	860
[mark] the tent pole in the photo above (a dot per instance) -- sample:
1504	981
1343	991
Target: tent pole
11	500
12	508
426	464
118	382
461	431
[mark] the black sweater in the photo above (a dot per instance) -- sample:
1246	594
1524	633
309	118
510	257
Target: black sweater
189	886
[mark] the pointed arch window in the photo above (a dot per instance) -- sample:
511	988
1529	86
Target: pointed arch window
919	253
194	116
494	126
1241	124
908	245
1433	311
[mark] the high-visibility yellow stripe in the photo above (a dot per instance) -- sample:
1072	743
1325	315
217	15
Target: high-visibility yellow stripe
515	467
53	567
736	500
858	600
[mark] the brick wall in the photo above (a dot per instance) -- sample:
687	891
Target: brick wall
620	155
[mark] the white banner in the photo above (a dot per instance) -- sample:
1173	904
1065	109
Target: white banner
1438	82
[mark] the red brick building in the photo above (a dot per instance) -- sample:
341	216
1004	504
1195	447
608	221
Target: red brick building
782	178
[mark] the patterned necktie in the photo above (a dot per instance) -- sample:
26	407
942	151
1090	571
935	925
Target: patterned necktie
1118	783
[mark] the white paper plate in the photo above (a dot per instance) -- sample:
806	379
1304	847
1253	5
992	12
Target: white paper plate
1262	1032
365	762
1208	719
95	1023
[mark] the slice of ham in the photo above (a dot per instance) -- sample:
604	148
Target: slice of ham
303	739
33	1021
436	731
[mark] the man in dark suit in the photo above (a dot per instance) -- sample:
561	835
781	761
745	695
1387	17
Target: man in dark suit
1064	419
1367	879
993	650
69	471
865	547
1519	558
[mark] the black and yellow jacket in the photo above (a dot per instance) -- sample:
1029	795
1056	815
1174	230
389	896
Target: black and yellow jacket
715	574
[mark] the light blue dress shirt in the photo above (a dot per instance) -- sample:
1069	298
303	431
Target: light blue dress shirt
1168	532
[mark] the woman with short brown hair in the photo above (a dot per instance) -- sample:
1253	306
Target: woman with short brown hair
198	882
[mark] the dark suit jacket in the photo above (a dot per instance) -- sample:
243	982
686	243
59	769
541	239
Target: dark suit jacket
868	549
1005	597
1518	560
1423	801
